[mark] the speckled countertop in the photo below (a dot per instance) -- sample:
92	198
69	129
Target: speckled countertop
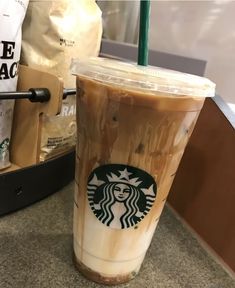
36	252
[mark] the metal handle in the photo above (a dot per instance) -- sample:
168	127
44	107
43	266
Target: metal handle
68	92
34	94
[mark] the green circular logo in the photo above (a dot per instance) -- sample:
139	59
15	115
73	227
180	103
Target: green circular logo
4	145
120	196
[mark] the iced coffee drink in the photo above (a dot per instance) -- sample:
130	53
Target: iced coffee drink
133	125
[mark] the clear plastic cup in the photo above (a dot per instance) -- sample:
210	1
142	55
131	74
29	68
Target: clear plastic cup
134	123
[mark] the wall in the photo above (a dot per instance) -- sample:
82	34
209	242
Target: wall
200	29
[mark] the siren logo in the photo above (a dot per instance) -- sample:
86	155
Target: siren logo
120	196
4	146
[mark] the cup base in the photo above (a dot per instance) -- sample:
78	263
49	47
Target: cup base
99	278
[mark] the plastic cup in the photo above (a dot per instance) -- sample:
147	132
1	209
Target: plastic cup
134	123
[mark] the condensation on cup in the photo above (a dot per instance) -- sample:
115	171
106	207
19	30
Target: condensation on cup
134	123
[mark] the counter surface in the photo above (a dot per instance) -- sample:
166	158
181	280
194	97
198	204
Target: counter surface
36	251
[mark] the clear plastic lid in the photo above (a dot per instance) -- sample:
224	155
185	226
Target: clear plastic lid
151	80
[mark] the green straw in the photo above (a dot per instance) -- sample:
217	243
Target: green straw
143	32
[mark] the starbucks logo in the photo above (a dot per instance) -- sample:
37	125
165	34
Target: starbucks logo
120	196
4	146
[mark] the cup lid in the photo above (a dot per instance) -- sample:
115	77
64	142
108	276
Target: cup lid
149	79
